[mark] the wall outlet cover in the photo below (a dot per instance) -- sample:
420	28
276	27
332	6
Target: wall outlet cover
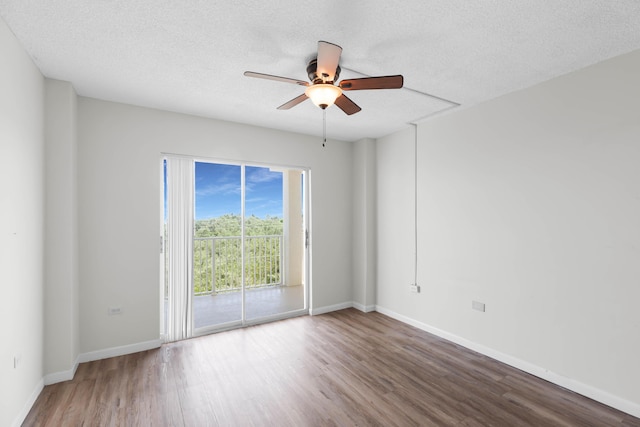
114	310
477	305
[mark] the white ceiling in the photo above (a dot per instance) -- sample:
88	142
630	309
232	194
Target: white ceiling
189	55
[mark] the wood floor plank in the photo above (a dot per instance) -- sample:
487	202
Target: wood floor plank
344	368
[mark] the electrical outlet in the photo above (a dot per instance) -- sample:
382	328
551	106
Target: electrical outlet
477	305
114	310
414	288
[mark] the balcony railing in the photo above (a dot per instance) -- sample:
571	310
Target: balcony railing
217	263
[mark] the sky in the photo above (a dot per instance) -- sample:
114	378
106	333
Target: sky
218	191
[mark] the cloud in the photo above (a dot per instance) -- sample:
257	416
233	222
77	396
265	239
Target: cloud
261	175
263	206
213	189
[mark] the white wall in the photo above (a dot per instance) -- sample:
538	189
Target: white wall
395	222
61	326
21	229
363	181
529	203
119	152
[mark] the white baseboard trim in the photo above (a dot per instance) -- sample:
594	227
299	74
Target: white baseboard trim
119	351
342	306
591	392
330	308
58	377
364	308
28	405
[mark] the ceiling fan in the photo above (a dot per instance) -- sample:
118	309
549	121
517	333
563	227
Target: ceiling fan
323	72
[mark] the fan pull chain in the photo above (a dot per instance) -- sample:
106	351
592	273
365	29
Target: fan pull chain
324	127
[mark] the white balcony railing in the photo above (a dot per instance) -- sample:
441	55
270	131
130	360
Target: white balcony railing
217	263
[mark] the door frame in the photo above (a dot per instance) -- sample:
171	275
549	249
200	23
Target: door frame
306	206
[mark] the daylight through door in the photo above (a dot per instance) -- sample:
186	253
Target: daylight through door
248	250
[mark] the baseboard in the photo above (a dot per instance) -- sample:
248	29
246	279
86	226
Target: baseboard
591	392
28	404
58	377
342	306
364	308
119	351
330	308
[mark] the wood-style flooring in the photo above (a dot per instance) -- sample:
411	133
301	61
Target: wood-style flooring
345	368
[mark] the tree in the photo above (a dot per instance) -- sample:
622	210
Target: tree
262	264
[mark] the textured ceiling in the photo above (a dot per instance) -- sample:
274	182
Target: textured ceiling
189	55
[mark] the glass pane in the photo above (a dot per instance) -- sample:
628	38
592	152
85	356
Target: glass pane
268	290
217	256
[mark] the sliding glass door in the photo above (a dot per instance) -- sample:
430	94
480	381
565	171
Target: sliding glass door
248	250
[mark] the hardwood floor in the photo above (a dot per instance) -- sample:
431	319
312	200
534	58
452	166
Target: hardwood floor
344	368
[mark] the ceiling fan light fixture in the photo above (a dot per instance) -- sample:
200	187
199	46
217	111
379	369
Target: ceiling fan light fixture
324	91
323	94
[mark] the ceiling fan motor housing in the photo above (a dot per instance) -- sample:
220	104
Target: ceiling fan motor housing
312	72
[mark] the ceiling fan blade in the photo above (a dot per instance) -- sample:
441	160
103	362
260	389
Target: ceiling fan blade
328	59
295	101
384	82
276	78
347	105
